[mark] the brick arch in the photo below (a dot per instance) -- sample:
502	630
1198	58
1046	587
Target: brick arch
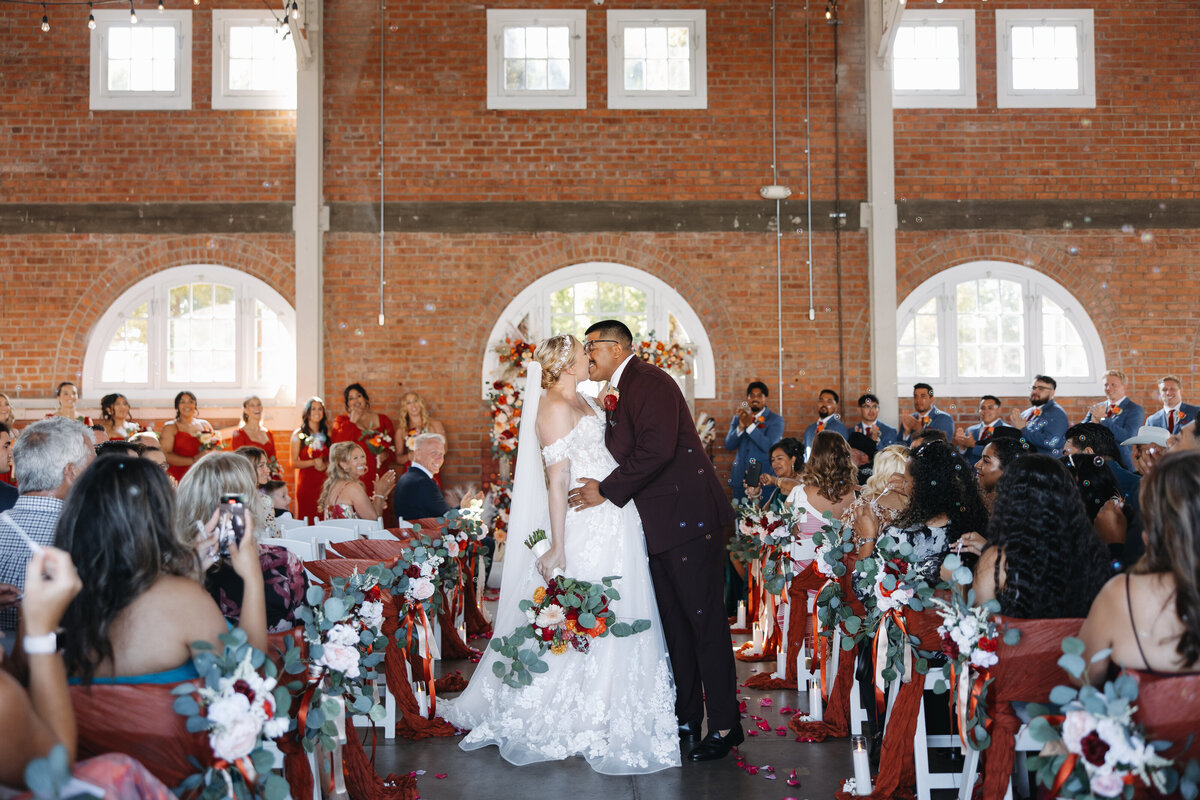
122	270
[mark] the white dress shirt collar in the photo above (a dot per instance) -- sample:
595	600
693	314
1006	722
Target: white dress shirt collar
615	380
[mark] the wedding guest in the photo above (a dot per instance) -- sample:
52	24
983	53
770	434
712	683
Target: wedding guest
1104	504
1147	447
925	415
752	431
118	447
775	486
998	453
374	432
1092	438
970	441
1117	413
259	460
344	496
1173	415
828	403
281	501
142	605
8	492
862	453
49	455
869	425
6	412
1150	617
68	395
115	417
416	495
927	435
416	420
827	484
1044	424
257	457
187	436
250	432
884	497
1042	559
154	454
310	458
200	492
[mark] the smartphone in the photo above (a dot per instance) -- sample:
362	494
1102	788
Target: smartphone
753	470
232	524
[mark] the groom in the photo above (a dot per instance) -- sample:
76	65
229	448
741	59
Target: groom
664	469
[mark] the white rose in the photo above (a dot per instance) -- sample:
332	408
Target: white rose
372	613
274	728
1076	725
1120	749
1107	784
421	589
983	659
531	615
340	658
452	548
236	739
228	710
342	635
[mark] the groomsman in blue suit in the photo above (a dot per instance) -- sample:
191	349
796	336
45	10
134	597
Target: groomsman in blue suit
828	419
1175	413
1044	424
752	431
1118	413
971	441
870	426
926	415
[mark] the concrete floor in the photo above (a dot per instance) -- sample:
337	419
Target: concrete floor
483	775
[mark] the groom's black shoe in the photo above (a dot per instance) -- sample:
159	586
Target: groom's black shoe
716	746
689	730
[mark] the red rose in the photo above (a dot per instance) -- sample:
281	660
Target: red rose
1094	748
989	644
610	402
948	646
547	634
241	687
413	571
373	594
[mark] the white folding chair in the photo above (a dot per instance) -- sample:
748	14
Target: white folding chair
322	533
804	550
350	524
927	781
288	522
382	534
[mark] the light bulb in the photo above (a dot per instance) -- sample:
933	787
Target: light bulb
91	21
161	8
45	24
295	10
132	14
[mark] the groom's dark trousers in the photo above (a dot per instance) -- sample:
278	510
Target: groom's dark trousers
663	468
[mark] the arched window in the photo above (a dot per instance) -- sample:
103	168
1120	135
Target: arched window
572	298
213	330
989	327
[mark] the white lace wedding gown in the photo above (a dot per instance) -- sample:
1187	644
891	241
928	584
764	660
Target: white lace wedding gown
614	705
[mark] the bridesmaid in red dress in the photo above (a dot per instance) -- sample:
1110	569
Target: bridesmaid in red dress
416	420
310	458
115	417
68	395
251	432
181	438
9	419
373	432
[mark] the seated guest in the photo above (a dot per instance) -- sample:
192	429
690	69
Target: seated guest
6	412
261	462
49	456
8	492
1104	504
154	454
970	441
1092	438
862	453
925	415
828	419
826	486
1149	444
343	496
774	486
1118	413
869	424
119	447
883	498
416	495
282	572
1174	413
998	453
1042	559
1150	617
752	431
1044	424
142	605
927	435
281	501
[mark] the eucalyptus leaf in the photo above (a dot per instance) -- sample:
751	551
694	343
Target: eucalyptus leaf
1073	645
1042	731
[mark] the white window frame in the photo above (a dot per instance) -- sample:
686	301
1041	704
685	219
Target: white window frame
102	99
1034	285
533	304
222	96
1007	97
500	98
964	22
247	289
620	97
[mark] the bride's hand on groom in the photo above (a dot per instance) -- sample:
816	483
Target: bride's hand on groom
586	495
551	561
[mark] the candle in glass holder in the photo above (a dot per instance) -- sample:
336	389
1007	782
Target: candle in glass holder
757	638
862	765
741	614
816	708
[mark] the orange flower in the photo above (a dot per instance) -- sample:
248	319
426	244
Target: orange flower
572	627
558	648
539	594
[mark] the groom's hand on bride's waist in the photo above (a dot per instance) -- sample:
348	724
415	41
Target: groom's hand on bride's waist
586	495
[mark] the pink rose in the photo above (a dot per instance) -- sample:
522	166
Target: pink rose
1107	784
340	659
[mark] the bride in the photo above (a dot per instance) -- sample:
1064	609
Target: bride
614	705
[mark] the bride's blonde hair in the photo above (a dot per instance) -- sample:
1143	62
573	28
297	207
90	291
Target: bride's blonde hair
554	354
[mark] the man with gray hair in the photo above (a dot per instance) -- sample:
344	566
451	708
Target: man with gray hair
49	455
417	495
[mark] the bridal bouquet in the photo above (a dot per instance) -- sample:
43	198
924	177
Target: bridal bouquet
239	708
1094	749
209	440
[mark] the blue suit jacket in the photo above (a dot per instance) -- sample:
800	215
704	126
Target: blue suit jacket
416	496
834	424
887	434
975	431
1123	426
1159	418
755	444
8	496
1048	431
937	419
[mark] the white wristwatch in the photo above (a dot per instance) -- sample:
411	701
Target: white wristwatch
46	644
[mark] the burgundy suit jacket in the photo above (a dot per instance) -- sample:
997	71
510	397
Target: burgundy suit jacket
661	464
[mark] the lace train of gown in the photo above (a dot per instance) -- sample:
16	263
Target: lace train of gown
615	705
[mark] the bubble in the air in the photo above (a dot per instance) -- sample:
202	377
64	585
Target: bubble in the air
933	483
134	491
919	219
1085	122
1174	181
430	307
1087	220
1147	237
422	342
1067	225
393	28
801	373
358	332
1133	352
828	309
342	325
958	467
1157	270
1104	286
1162	206
1126	229
1087	483
266	184
1073	250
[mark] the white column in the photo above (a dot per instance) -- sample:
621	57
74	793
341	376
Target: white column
879	212
310	219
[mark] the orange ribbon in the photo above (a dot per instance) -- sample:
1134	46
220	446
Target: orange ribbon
426	658
881	632
818	645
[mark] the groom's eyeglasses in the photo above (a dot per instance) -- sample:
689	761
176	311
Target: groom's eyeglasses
590	345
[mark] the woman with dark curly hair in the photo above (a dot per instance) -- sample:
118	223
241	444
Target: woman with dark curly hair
1103	502
997	455
1150	617
1042	560
944	508
826	486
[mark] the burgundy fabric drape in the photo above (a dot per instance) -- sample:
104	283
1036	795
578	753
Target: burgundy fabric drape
1169	707
799	625
375	550
363	782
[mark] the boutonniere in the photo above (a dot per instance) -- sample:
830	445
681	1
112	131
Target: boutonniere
760	419
609	401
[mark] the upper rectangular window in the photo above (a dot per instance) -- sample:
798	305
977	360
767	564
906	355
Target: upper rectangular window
1045	59
254	61
657	59
933	60
141	65
536	59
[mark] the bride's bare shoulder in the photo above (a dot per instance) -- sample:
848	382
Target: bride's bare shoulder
555	419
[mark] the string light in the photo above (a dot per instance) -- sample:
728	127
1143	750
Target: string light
161	8
91	18
45	20
132	14
295	10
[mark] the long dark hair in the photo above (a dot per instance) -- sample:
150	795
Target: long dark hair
117	526
306	418
1096	483
354	387
108	405
943	483
1170	503
1054	562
